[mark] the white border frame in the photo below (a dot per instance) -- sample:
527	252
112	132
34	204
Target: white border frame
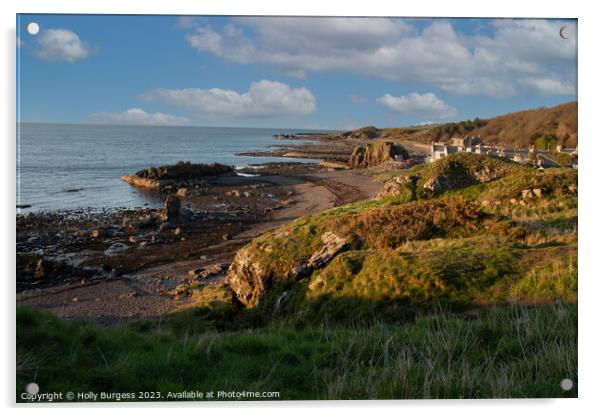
589	200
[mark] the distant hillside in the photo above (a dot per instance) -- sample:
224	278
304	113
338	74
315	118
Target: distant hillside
542	126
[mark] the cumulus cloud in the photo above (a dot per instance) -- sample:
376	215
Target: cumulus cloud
397	50
139	117
264	99
424	105
60	45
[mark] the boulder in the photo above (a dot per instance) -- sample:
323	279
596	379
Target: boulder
172	207
248	279
333	245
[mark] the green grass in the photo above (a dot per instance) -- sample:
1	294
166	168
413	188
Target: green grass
468	294
450	248
548	282
516	351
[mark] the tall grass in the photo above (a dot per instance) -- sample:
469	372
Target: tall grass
517	351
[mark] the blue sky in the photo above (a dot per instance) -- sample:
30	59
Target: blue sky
326	73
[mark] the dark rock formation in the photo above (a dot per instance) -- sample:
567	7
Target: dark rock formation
172	207
179	175
43	271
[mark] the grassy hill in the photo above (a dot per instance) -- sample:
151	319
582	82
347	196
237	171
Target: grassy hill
509	237
541	126
471	260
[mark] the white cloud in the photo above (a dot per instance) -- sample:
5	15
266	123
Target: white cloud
264	99
60	45
424	105
139	117
549	86
396	50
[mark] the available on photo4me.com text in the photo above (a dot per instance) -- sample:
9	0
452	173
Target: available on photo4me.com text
143	395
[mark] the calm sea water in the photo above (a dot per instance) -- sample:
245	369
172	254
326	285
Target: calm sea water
54	159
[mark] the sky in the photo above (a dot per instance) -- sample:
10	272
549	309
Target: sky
314	73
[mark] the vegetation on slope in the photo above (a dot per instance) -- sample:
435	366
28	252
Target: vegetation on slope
473	244
544	127
469	292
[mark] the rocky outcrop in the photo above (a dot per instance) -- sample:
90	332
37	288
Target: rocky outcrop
284	136
41	271
374	154
459	176
249	280
453	172
246	277
444	183
179	175
398	185
333	245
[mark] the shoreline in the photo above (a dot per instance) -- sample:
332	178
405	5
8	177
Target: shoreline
122	274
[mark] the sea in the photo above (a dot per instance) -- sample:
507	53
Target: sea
77	166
